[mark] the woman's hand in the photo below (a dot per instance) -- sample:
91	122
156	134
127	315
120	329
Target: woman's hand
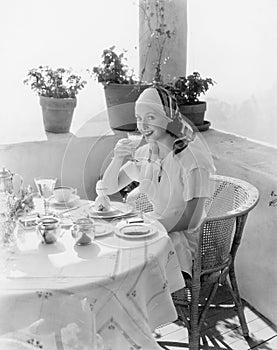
154	147
154	150
123	148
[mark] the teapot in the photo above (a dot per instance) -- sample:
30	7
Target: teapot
10	182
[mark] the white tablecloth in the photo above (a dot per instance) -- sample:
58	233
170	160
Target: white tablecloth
59	295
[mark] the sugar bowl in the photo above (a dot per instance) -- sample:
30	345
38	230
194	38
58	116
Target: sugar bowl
49	229
83	231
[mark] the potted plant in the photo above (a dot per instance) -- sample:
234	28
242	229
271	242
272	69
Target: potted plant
121	88
57	90
187	91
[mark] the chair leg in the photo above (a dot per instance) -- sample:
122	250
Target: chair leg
236	296
194	340
162	345
194	332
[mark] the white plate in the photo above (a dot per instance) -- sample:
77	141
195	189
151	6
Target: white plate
118	209
135	230
70	203
102	229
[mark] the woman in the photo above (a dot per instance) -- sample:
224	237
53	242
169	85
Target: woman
173	168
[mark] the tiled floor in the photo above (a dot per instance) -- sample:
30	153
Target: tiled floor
222	330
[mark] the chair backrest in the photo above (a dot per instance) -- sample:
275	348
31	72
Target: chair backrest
142	203
232	198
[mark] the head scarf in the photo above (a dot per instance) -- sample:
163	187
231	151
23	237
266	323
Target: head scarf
166	106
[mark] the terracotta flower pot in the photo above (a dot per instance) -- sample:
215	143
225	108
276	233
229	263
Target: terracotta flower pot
57	113
195	113
120	99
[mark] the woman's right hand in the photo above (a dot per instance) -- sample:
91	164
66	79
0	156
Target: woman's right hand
123	148
154	148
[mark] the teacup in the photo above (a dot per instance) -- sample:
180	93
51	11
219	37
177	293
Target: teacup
63	194
83	231
49	229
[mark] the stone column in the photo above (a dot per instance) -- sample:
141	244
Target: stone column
162	38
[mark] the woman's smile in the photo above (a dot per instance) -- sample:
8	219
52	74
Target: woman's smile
147	133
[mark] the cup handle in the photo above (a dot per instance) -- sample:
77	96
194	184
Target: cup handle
74	231
41	231
74	191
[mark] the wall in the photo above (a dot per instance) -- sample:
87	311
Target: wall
78	161
74	161
234	42
256	262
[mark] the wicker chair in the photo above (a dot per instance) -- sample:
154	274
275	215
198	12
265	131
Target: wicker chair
220	236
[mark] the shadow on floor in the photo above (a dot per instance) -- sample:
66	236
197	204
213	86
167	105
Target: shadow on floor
222	330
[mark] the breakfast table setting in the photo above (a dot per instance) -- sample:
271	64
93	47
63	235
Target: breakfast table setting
81	274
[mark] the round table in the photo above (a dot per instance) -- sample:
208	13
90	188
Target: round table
60	295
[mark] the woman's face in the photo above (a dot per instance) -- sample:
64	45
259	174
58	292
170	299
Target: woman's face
150	123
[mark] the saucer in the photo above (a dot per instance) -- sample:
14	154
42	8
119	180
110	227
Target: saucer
205	126
28	222
70	203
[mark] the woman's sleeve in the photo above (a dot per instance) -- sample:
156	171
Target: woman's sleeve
132	170
197	184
